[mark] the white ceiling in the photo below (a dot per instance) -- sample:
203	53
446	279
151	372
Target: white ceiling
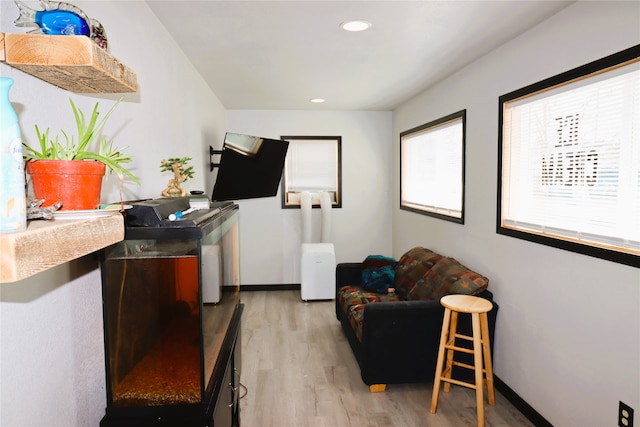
280	54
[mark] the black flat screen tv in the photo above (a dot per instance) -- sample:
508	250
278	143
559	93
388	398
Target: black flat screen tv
250	167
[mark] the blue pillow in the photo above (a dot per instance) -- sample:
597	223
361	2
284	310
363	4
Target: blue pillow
378	274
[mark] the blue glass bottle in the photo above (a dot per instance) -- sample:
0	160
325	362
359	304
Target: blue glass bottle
13	211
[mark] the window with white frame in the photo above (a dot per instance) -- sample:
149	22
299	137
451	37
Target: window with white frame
432	168
569	160
313	164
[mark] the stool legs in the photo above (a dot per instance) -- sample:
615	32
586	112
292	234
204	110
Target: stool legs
477	363
443	341
451	340
488	367
481	350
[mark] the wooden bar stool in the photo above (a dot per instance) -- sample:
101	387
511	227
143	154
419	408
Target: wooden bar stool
478	308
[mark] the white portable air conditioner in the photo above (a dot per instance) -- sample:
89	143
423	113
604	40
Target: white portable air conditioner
317	270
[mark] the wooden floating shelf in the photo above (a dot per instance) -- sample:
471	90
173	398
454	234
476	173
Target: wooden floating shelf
74	63
46	244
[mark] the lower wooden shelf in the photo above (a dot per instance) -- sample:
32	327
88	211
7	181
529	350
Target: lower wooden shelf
46	244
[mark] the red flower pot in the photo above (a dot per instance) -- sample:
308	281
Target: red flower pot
75	183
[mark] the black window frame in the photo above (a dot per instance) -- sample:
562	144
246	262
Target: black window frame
337	202
597	67
458	115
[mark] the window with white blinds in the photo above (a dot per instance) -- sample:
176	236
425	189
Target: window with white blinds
432	168
312	164
570	160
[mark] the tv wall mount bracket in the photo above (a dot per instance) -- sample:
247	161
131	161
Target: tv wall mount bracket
212	153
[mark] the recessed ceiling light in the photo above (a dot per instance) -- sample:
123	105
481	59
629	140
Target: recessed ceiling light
355	25
317	100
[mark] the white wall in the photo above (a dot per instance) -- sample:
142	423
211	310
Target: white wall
569	326
51	340
270	236
568	331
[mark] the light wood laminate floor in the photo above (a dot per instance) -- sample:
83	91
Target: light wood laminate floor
299	371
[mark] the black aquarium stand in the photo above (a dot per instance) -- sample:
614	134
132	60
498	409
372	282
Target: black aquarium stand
172	317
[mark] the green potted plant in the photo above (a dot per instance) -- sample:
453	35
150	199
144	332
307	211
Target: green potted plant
71	171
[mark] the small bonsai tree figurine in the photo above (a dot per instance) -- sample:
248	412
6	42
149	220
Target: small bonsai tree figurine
181	173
